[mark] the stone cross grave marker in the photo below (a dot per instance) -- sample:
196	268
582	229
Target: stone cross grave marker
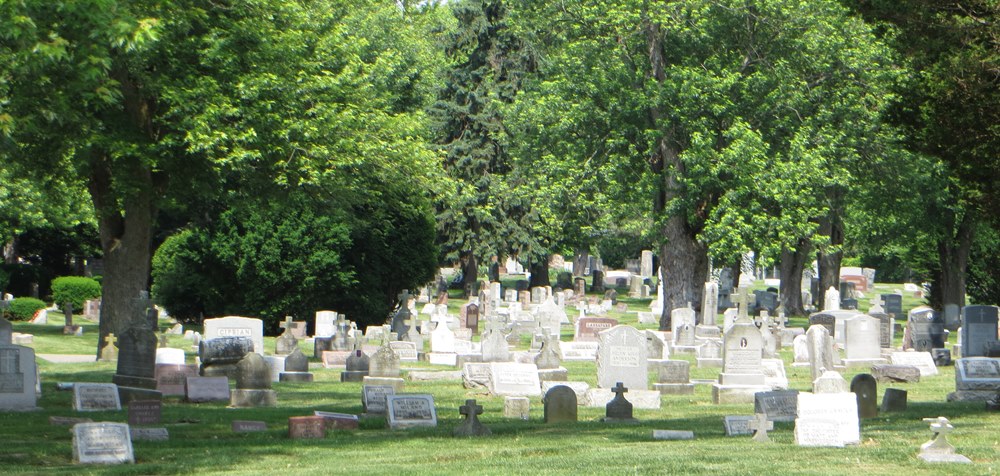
471	426
760	425
110	352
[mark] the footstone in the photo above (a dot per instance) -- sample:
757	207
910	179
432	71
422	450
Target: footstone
780	405
207	389
102	443
737	425
671	435
560	404
430	376
67	421
894	400
248	426
92	397
306	427
338	421
373	398
396	383
144	412
149	434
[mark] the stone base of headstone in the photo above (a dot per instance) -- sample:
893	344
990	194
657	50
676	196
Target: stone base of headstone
630	421
855	363
674	388
684	349
22	339
249	398
132	381
722	394
943	458
671	435
896	373
708	363
442	358
295	377
560	374
894	400
516	407
645	399
971	395
397	384
218	370
128	394
463	359
431	376
353	375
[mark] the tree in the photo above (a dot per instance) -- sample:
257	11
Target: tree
159	103
949	108
481	214
737	120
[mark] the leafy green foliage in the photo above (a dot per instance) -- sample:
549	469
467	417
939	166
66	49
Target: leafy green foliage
24	308
74	290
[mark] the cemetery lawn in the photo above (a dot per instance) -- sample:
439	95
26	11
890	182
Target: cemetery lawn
202	442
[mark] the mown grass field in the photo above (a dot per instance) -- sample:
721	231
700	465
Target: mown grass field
201	441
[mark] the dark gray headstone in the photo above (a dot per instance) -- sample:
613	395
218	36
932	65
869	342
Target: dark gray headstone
611	295
979	329
849	303
865	388
885	329
597	281
6	332
779	405
893	305
320	345
619	408
224	350
560	404
926	331
296	361
471	426
356	367
942	357
823	319
137	358
894	400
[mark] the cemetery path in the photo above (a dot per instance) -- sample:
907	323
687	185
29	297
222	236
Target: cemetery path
67	358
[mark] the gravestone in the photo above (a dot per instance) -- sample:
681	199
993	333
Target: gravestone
820	345
824	319
896	373
248	426
560	404
102	443
296	368
938	450
516	407
136	370
18	378
373	398
95	397
979	330
471	426
925	330
407	411
587	328
6	332
619	409
253	383
405	351
306	427
494	344
646	263
468	317
894	400
234	326
831	299
169	356
324	324
976	379
921	360
893	305
385	361
220	355
741	375
286	342
710	354
865	387
862	341
207	389
621	357
514	379
356	368
779	405
144	412
759	425
674	377
710	304
171	379
579	351
827	419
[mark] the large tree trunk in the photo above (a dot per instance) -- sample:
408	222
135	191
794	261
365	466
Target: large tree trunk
953	257
127	245
793	262
829	258
470	274
539	272
10	251
580	259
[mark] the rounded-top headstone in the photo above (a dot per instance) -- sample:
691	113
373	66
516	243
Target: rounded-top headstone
560	404
296	361
865	387
253	373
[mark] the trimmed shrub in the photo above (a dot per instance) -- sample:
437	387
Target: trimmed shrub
24	308
75	290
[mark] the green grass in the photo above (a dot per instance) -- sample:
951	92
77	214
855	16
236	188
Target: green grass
201	441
